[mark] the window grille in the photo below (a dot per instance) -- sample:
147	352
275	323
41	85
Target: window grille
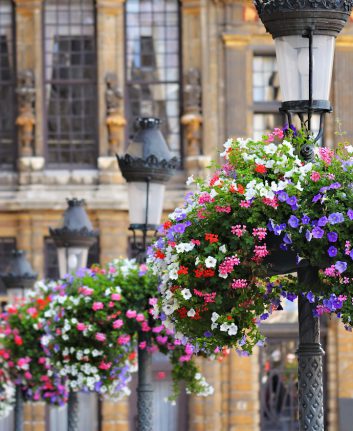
7	244
51	269
7	84
153	64
71	82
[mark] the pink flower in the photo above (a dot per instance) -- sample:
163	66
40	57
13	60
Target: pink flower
157	329
42	360
245	204
97	306
184	358
32	312
260	251
28	375
226	209
145	327
130	314
100	337
240	283
142	345
18	340
161	375
111	304
152	301
161	340
189	350
278	132
86	291
105	365
228	264
123	339
315	176
326	155
205	197
140	317
116	297
118	324
23	362
260	233
238	230
81	327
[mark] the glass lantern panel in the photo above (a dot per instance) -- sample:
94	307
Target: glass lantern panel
71	259
293	65
15	295
137	202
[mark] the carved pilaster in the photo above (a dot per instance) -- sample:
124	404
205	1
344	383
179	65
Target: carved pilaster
26	119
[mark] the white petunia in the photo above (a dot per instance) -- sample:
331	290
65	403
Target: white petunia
270	148
233	329
223	248
213	193
215	316
224	327
210	262
190	180
191	312
349	149
186	294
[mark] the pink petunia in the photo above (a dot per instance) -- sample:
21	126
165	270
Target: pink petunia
100	337
118	324
97	306
116	297
131	314
81	327
140	317
123	339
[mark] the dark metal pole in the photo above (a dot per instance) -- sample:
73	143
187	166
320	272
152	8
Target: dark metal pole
144	388
310	353
18	409
72	412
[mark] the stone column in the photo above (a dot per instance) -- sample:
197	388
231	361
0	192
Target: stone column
29	44
34	416
238	85
111	64
244	412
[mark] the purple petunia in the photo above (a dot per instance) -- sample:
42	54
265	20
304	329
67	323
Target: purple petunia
291	200
282	196
322	221
340	266
305	219
287	239
293	221
317	232
317	197
310	297
350	214
335	218
351	254
308	235
332	236
332	251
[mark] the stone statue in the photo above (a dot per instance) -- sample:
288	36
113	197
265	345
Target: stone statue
115	119
192	119
26	119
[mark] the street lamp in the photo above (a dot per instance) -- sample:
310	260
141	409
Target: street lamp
147	166
73	241
74	238
304	32
18	278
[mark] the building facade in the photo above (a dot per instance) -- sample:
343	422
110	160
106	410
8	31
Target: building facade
73	76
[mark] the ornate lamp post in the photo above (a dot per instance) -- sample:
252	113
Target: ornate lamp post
304	32
18	278
73	241
146	166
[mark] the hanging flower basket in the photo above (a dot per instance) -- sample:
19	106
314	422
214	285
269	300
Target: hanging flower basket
261	213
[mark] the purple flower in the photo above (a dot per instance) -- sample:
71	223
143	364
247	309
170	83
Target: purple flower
287	239
322	221
317	197
264	316
282	196
305	219
340	266
334	186
311	297
270	226
317	232
335	218
332	251
291	200
350	214
308	235
332	236
180	227
351	254
293	221
207	334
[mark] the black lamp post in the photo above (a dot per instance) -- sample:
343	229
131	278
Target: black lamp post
73	241
304	32
18	278
74	238
146	166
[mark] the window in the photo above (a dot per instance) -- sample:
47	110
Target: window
7	84
266	95
153	64
51	269
71	82
7	244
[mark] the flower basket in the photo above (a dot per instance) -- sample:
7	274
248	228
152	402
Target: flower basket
264	212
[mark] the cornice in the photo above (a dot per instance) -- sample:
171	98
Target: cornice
240	41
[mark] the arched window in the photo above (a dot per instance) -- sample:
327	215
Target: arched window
153	64
7	84
71	82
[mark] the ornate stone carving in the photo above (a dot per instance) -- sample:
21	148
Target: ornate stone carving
192	119
115	119
26	119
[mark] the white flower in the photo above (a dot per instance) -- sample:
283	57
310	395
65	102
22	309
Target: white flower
191	312
213	193
197	261
223	248
168	294
349	149
270	148
233	329
224	327
186	294
210	262
214	326
215	316
190	180
224	275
